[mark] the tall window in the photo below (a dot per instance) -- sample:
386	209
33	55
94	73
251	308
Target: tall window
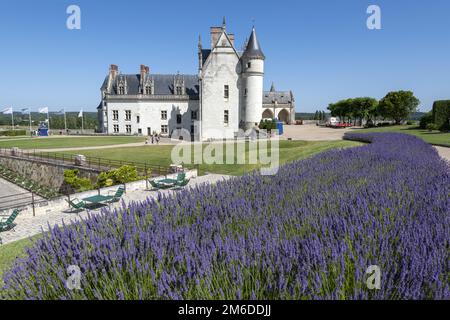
128	128
127	115
138	119
115	115
249	65
148	90
121	89
226	117
226	91
116	128
179	90
178	118
245	92
164	129
164	115
194	115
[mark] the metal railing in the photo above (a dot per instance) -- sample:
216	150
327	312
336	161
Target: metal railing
21	200
93	163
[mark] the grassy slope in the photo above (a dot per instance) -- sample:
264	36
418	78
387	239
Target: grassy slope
435	137
161	155
9	252
71	142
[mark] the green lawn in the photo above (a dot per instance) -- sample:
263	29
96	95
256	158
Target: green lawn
434	137
161	155
67	142
9	252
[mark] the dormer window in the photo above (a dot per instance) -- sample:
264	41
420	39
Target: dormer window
121	89
179	90
148	90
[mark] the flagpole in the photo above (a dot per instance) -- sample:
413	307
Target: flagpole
29	118
65	121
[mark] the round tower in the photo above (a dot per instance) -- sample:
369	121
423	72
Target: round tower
253	78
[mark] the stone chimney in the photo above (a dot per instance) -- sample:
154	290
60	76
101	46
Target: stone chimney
215	34
113	70
231	36
144	70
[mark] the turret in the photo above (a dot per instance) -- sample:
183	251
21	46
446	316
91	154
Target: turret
253	77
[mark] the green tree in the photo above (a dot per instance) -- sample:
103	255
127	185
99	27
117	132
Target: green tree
398	105
363	108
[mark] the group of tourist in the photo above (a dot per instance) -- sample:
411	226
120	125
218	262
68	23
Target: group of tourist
153	138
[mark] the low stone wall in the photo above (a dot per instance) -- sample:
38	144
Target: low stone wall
45	173
60	204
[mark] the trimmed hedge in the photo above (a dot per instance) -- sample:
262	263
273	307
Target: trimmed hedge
13	133
426	119
441	114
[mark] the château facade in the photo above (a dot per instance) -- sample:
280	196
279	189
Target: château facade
226	95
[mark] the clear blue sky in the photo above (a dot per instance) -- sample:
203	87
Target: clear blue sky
321	50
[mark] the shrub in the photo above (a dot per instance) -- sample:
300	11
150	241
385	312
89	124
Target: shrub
121	175
410	123
441	114
13	133
268	124
432	126
76	183
425	120
309	232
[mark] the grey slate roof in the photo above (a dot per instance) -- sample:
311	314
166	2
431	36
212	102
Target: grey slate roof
163	83
205	54
282	97
253	49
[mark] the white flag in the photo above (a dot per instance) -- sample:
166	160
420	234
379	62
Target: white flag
7	111
43	110
80	115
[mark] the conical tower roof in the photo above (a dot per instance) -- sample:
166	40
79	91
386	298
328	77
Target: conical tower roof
253	50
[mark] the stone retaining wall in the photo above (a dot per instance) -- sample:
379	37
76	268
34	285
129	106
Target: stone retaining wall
45	173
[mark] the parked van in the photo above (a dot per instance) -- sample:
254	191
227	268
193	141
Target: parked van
332	122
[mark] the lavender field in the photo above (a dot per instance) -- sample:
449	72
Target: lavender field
310	232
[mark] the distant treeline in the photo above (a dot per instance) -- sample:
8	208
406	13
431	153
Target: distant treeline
56	120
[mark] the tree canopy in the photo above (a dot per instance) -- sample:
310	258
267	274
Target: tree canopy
398	105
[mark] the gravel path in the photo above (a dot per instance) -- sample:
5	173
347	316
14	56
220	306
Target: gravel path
444	152
27	225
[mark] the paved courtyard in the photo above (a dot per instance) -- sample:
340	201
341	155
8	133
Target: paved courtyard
27	225
7	188
311	132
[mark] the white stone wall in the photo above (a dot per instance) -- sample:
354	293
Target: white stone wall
149	113
220	69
